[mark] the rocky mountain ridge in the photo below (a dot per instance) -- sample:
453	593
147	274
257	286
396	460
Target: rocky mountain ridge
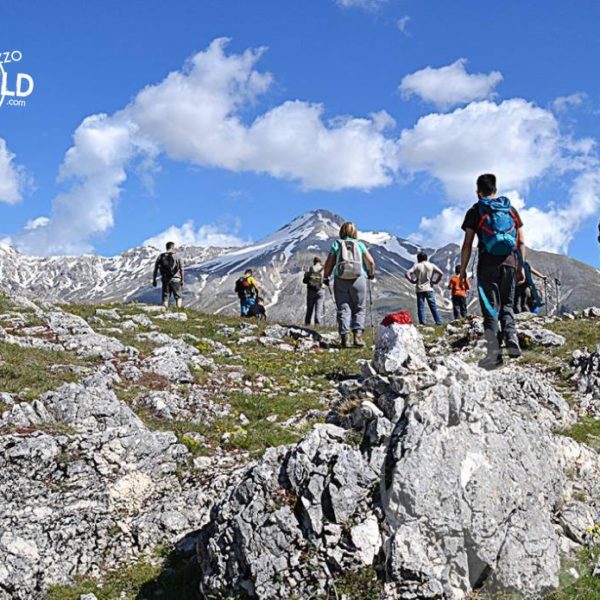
272	465
278	261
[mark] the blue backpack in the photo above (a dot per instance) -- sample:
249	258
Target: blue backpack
498	227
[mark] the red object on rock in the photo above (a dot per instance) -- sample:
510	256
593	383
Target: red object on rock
402	318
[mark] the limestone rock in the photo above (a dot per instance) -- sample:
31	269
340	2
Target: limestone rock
540	337
466	482
284	521
398	346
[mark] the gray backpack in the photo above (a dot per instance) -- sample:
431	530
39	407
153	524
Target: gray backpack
349	260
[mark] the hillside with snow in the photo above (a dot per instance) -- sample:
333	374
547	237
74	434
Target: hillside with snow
278	262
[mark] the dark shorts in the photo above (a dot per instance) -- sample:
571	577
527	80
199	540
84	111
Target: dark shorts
171	287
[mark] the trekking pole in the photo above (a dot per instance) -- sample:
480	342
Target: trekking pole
546	295
371	310
557	284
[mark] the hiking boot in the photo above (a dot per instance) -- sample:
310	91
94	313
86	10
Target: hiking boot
344	341
512	346
491	362
358	339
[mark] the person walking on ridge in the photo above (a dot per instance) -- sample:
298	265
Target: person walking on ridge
459	291
501	248
315	292
170	267
351	264
421	275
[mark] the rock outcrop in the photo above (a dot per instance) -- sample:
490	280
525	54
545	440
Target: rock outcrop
458	483
292	521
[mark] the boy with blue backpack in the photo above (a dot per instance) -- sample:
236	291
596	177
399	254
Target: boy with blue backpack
501	249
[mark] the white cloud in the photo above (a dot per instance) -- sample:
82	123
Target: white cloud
12	178
553	229
96	163
515	139
366	4
37	222
449	85
441	229
195	115
189	235
403	25
564	103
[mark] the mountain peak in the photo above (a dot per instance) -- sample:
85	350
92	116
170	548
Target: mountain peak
317	219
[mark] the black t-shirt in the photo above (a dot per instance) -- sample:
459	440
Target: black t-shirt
471	221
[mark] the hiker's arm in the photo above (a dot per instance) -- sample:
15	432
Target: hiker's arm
439	273
370	263
156	265
537	273
409	274
465	253
329	264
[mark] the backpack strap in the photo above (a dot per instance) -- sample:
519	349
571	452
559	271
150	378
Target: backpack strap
487	304
486	215
513	214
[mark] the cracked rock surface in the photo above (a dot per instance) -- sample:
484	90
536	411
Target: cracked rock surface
458	482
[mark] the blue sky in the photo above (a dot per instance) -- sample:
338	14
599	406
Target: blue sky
356	106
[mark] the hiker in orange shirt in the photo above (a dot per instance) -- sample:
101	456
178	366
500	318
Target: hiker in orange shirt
459	294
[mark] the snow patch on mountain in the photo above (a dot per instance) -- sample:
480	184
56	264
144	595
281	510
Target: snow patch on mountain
390	242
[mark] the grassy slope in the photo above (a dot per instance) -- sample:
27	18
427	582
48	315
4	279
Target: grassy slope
291	383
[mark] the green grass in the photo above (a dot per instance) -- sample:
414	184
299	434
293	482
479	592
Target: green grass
358	585
587	587
229	434
578	334
586	431
5	304
294	383
174	577
121	583
25	371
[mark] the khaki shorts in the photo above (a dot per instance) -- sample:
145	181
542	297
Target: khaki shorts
171	287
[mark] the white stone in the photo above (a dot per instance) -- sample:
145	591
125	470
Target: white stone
367	539
18	546
130	492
